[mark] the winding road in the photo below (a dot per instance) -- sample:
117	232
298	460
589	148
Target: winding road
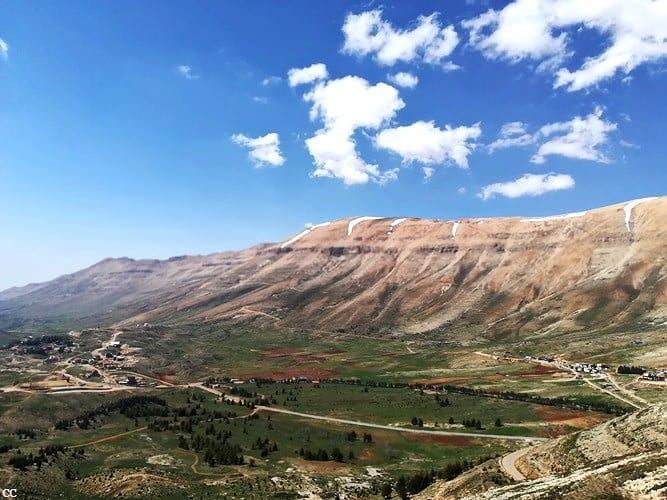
508	463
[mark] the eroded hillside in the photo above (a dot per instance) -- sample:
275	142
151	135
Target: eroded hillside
502	276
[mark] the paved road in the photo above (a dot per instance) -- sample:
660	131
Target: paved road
508	463
399	429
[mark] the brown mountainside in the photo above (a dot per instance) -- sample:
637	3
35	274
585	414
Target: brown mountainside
408	275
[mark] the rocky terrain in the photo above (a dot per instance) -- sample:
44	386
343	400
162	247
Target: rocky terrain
498	277
622	458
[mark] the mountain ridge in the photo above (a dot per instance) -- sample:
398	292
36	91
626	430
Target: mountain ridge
392	274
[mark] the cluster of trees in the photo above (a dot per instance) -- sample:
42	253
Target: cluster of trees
602	406
216	448
631	370
418	422
477	424
414	483
323	455
242	392
597	405
131	407
265	446
353	436
442	402
44	339
5	448
26	433
21	461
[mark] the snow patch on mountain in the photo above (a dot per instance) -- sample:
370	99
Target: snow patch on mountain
303	233
555	217
356	221
628	210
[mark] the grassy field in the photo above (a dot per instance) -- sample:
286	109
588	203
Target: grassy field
398	406
179	354
159	456
117	444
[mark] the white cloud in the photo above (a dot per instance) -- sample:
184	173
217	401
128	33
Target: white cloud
309	74
461	190
427	40
271	80
186	72
4	50
579	138
629	145
403	79
343	106
538	30
528	185
428	173
260	99
512	134
425	143
263	150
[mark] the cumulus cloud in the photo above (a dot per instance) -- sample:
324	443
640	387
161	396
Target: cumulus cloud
403	79
344	106
528	185
260	99
426	40
579	138
428	173
309	74
425	143
187	72
537	30
4	50
263	150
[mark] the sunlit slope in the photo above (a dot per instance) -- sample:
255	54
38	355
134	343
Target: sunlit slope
495	276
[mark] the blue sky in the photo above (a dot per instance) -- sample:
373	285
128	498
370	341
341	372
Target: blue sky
126	127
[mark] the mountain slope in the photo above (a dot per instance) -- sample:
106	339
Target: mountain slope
568	272
622	458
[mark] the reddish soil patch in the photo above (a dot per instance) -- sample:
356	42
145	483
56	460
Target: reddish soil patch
280	352
570	418
541	370
552	414
169	378
439	439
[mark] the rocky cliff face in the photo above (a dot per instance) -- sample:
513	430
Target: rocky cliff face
401	274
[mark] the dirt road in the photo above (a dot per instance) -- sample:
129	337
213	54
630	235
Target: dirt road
399	429
109	438
508	463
